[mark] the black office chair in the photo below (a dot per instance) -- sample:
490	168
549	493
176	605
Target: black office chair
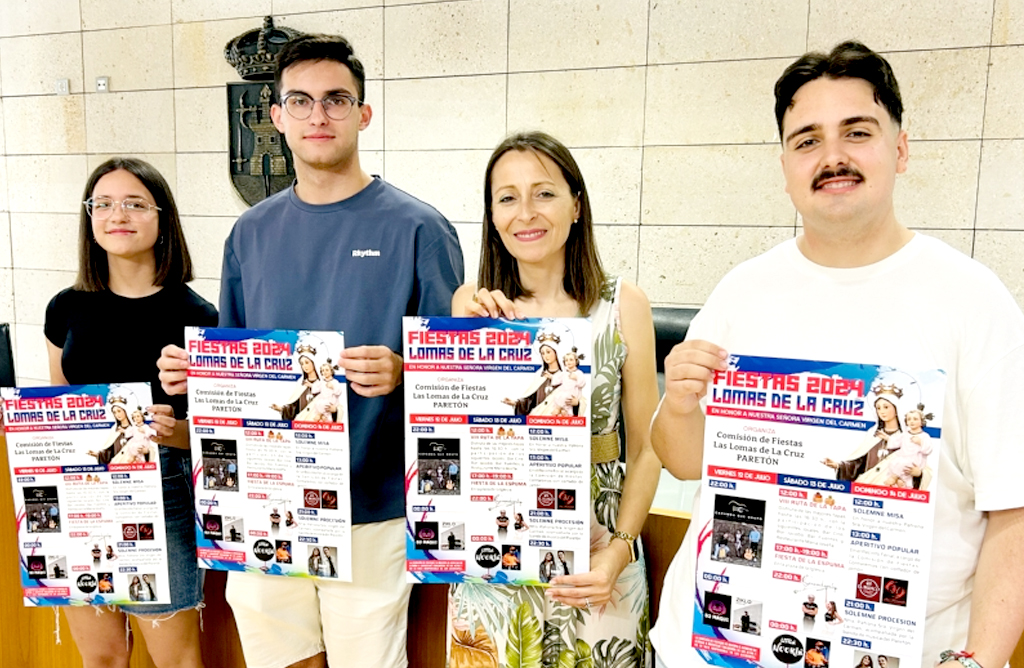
7	377
670	326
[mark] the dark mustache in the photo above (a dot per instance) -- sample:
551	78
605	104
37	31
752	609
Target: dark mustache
829	174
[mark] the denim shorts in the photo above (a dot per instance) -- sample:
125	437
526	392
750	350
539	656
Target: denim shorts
186	581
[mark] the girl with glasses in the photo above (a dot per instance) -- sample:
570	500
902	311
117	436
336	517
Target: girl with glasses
129	301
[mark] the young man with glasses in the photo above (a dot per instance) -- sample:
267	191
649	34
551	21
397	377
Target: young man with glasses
340	250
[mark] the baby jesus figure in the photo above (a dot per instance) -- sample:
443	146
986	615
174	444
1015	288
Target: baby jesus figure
911	449
326	405
139	443
568	385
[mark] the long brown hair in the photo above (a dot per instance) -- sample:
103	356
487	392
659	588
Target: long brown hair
584	276
173	262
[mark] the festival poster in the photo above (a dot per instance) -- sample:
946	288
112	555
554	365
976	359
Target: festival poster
88	497
817	512
270	451
497	449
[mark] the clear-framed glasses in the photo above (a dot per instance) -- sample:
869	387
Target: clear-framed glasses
102	208
337	106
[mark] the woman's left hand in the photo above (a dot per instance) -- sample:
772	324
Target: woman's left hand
493	304
592	589
163	419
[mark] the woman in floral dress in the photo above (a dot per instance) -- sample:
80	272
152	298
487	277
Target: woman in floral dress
539	259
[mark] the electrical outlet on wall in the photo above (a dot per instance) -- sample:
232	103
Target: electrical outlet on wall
62	86
102	84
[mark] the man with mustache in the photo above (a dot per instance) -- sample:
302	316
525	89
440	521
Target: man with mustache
833	293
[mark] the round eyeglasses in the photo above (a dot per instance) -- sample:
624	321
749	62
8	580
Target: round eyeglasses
337	106
102	208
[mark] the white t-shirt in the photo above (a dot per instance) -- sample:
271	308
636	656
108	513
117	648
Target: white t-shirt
966	323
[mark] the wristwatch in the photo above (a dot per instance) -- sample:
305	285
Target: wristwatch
965	658
634	550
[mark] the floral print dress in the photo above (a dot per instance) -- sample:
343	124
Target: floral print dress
503	626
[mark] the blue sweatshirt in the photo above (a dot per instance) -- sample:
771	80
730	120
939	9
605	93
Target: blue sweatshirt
358	266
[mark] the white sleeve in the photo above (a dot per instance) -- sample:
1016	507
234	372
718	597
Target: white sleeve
994	436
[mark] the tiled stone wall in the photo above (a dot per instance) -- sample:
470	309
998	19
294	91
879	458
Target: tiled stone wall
666	103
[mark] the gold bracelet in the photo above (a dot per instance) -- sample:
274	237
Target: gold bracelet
630	541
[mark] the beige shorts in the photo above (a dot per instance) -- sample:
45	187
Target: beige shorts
360	623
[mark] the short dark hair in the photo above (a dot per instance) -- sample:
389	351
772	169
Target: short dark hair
173	262
313	48
584	276
850	60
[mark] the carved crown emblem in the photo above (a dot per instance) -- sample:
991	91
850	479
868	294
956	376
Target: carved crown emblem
253	53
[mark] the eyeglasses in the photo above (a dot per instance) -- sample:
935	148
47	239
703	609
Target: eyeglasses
337	106
102	208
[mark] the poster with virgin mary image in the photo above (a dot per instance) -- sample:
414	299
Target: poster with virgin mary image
85	473
270	451
817	506
498	444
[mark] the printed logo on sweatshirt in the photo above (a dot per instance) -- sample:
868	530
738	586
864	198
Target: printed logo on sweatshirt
369	252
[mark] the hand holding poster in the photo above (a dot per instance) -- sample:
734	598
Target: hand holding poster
270	451
497	449
817	500
88	497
